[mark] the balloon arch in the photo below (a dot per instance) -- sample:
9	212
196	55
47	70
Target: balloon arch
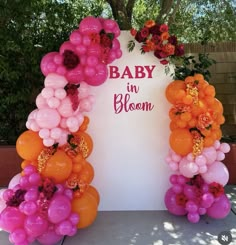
52	197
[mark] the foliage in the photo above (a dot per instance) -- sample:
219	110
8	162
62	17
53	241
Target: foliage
190	65
29	30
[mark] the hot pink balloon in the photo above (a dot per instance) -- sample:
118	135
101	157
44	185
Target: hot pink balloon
18	236
171	205
59	209
217	172
76	37
75	75
35	225
48	118
90	25
220	208
49	237
67	46
11	219
47	65
100	76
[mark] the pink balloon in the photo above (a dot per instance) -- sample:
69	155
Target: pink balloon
2	207
217	172
65	108
81	49
74	218
60	93
14	181
171	205
29	208
53	102
18	236
49	237
64	228
210	154
100	76
193	217
47	65
200	160
76	37
92	60
224	147
54	80
66	46
95	50
11	219
48	118
86	40
220	156
59	209
188	169
207	200
44	133
90	25
47	92
35	179
48	142
56	133
41	102
220	208
35	225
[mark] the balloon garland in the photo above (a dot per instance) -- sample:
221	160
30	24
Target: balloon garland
52	197
195	150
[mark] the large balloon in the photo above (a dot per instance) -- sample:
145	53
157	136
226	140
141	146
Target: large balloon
86	207
58	167
217	172
29	145
181	141
171	205
220	208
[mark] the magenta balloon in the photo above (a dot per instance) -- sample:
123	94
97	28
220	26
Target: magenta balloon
173	179
220	208
171	205
177	188
75	37
74	218
92	60
30	208
35	225
76	75
35	179
49	237
45	63
67	46
89	71
207	200
81	49
90	25
100	76
191	207
193	217
217	172
11	219
95	50
18	236
59	209
190	192
64	228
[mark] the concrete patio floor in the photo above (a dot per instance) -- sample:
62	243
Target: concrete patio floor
151	228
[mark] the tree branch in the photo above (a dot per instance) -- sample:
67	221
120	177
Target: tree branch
172	16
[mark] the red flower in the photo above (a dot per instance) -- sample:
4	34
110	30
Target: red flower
164	62
144	32
155	30
169	49
71	60
179	50
216	189
95	37
17	198
164	28
72	92
105	41
138	37
181	199
133	32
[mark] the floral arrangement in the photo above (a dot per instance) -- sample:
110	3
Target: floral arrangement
196	152
52	196
156	38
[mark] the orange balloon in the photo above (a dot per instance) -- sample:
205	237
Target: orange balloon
173	91
27	162
84	125
58	167
86	207
181	141
87	173
93	191
86	146
29	145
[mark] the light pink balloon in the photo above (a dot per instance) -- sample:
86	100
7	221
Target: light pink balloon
48	142
55	133
14	181
72	122
44	133
48	118
220	156
224	147
41	102
60	93
188	169
65	108
54	80
47	92
217	144
210	154
200	160
34	126
53	102
217	172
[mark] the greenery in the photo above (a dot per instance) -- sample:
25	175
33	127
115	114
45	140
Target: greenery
31	29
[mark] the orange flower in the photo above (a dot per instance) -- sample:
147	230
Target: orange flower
145	48
149	23
204	120
165	36
150	45
169	49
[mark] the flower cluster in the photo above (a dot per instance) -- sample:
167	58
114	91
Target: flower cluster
155	37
